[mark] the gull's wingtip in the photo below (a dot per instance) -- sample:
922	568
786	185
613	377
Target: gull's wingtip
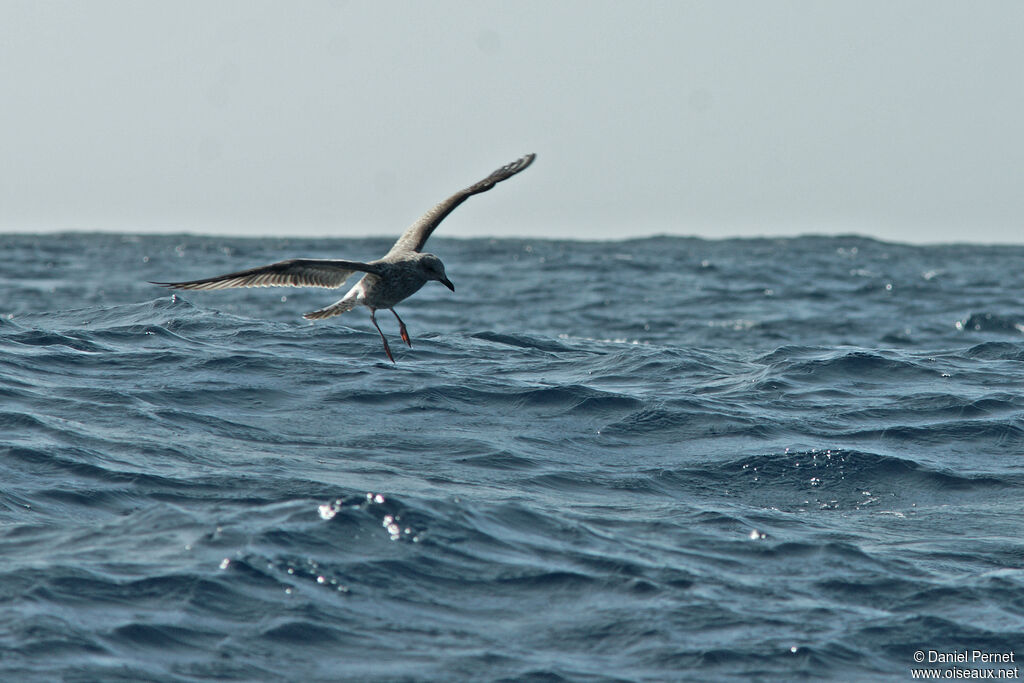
175	285
510	169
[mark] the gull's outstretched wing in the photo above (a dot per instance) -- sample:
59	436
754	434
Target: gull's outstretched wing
416	236
296	272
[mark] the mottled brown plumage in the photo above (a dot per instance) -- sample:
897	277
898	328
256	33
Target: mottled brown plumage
397	275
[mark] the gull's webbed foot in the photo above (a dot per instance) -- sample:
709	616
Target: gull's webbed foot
387	350
401	330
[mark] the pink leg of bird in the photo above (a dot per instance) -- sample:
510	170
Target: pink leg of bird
401	329
387	349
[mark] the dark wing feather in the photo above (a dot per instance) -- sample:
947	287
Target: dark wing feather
297	272
416	236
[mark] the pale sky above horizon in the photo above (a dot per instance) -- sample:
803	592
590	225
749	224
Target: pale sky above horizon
898	120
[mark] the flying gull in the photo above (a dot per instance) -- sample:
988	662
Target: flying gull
388	280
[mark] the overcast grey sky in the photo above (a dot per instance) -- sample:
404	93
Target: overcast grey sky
900	120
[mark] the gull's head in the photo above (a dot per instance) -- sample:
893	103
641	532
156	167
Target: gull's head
433	269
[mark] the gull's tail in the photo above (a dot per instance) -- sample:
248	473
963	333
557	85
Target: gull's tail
337	308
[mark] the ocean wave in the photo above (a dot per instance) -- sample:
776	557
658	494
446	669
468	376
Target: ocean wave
207	486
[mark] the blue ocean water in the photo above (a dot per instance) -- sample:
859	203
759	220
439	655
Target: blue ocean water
658	459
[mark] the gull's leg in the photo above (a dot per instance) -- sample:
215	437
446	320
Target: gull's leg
401	329
387	349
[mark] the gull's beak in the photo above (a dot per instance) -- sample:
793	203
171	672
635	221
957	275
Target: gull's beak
447	283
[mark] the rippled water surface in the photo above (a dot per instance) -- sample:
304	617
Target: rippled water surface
669	458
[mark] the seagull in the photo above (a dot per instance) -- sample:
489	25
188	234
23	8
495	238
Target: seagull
388	280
